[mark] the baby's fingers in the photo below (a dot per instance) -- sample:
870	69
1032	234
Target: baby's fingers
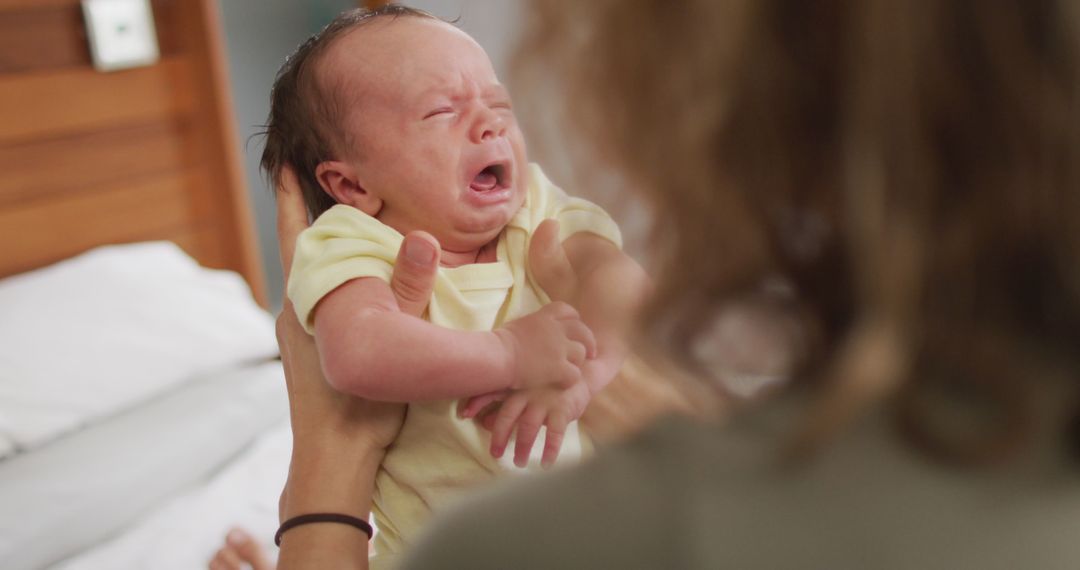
577	331
556	430
504	423
487	418
473	406
528	427
576	353
568	375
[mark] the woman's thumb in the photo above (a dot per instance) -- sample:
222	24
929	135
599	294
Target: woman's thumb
550	267
414	272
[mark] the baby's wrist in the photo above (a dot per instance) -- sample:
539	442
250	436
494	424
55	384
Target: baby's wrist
507	359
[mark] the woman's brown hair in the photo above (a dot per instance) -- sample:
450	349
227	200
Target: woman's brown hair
912	167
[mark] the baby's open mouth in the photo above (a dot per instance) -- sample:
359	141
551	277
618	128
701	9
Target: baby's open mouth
490	178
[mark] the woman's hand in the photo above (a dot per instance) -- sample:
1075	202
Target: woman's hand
338	440
635	396
317	412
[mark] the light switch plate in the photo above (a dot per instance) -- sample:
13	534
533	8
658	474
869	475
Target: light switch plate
121	33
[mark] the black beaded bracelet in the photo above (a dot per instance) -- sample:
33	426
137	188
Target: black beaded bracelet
323	517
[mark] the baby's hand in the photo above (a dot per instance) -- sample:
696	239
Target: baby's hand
548	406
548	347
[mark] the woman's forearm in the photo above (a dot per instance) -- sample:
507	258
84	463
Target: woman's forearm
328	477
323	546
341	480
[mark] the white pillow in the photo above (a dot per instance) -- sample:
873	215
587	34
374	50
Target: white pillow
97	333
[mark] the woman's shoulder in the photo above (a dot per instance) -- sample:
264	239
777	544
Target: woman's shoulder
689	495
621	509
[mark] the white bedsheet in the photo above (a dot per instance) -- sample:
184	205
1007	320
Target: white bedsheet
81	490
184	533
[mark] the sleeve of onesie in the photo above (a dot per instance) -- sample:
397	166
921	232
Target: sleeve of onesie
575	215
343	244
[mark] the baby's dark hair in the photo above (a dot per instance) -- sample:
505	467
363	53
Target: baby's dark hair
302	129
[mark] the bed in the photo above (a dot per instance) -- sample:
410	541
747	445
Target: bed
142	408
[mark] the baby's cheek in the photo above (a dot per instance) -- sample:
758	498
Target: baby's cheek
519	143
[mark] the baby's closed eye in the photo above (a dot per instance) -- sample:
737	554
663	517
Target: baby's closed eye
444	110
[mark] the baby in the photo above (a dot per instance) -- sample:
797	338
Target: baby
395	122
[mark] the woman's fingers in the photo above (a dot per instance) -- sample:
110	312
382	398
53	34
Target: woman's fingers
414	272
291	215
300	360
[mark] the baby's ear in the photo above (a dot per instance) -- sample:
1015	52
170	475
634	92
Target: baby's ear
340	181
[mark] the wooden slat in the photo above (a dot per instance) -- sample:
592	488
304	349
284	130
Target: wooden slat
90	158
42	38
48	104
53	36
6	4
43	232
217	136
41	169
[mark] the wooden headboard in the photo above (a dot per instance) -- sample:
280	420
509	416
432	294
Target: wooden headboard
90	158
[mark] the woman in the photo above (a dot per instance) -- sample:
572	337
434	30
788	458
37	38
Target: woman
910	172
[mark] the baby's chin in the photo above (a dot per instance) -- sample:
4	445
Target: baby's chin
475	234
471	228
470	240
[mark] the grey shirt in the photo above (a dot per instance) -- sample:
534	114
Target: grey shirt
690	495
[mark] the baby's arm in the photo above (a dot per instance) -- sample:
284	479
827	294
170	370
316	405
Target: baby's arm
371	349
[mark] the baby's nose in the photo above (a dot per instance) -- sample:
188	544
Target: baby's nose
488	125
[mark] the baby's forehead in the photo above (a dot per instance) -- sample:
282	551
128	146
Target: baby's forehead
407	55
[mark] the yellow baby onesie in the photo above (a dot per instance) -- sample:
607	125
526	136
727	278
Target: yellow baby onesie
436	456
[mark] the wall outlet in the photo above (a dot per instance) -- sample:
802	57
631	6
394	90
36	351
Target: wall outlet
121	33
